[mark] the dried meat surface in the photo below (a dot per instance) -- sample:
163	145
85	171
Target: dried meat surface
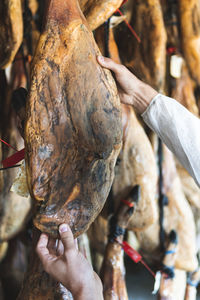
73	128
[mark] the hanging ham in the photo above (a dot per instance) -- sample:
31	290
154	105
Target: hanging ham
73	127
97	12
189	14
11	30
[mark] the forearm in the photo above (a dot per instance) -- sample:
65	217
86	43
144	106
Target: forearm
178	129
143	95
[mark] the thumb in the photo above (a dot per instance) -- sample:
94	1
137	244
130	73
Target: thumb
67	237
108	63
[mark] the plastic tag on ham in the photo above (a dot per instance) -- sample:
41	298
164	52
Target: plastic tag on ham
132	253
176	63
13	159
135	256
157	283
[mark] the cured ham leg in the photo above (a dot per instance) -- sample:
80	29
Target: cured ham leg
112	272
73	128
147	59
11	30
136	165
183	91
190	188
189	15
97	12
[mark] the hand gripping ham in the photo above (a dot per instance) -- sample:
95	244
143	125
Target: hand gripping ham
73	128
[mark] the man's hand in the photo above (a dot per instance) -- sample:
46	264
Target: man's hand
131	90
62	260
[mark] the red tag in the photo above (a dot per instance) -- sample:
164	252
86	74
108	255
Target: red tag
132	253
14	159
171	50
127	203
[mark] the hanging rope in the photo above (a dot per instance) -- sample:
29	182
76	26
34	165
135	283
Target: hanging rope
163	200
106	37
129	26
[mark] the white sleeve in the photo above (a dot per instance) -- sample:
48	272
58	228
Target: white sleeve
178	129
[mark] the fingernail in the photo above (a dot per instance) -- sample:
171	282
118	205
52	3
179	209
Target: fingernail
63	228
101	58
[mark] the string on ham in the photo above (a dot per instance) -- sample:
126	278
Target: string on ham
169	271
115	230
3	169
7	144
192	283
129	26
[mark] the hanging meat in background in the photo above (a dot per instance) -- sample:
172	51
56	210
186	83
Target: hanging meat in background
190	188
175	212
71	143
146	59
113	271
97	234
179	84
136	166
14	209
11	30
183	91
189	15
14	265
182	88
97	12
35	8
